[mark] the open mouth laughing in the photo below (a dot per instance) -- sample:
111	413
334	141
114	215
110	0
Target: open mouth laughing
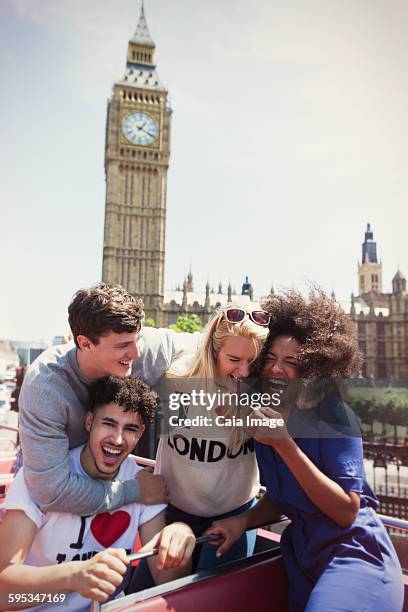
278	384
111	454
126	364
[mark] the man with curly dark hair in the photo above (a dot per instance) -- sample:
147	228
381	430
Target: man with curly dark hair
86	556
338	555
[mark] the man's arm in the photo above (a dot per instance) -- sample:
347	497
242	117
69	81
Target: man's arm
181	343
159	349
47	466
176	543
96	578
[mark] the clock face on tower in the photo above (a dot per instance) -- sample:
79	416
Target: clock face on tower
140	128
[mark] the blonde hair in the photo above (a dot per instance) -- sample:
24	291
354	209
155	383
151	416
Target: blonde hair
218	329
204	366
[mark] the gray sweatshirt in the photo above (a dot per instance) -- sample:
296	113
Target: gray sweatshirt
53	402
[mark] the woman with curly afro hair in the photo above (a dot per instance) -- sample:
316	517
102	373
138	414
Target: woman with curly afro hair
337	553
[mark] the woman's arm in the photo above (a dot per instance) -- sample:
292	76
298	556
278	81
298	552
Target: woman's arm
232	528
339	505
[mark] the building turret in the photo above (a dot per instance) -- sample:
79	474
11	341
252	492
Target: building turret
370	269
352	307
184	302
246	287
399	283
369	247
207	304
190	286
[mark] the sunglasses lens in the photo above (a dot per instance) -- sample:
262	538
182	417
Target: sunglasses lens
235	315
260	317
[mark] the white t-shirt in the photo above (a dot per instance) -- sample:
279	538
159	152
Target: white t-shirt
66	537
203	477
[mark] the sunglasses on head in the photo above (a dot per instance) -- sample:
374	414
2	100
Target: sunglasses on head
236	315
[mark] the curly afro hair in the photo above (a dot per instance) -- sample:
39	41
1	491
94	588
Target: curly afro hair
131	394
329	347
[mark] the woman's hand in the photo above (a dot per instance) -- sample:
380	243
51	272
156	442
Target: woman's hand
273	432
231	529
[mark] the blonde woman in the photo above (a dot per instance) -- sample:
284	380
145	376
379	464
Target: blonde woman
211	472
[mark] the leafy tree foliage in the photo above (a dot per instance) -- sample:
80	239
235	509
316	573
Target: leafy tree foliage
149	322
191	323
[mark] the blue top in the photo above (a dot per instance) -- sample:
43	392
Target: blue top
329	435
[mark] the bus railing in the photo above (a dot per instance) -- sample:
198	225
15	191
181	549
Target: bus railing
389	521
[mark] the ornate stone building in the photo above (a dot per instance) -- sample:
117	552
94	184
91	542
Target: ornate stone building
381	318
137	155
185	301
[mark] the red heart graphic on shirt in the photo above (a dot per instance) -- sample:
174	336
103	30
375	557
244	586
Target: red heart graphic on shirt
107	528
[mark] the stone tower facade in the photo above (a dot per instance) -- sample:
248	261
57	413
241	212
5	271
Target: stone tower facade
370	269
137	155
381	318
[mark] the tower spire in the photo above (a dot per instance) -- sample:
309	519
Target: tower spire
369	247
142	35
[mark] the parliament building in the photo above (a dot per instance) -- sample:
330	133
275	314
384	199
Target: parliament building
137	155
381	318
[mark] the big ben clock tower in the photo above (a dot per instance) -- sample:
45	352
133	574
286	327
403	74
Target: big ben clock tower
136	162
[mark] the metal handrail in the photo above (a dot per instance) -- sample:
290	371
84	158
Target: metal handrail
144	461
96	605
393	522
8	428
389	521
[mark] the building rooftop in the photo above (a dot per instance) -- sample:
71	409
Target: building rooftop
142	77
215	298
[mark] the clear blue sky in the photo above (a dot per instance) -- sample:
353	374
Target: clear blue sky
290	132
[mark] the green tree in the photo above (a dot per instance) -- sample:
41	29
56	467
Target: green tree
393	417
364	410
149	322
382	413
187	324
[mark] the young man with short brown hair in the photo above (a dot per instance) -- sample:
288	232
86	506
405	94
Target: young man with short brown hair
106	322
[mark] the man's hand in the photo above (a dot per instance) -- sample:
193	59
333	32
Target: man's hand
100	576
152	488
176	543
231	529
